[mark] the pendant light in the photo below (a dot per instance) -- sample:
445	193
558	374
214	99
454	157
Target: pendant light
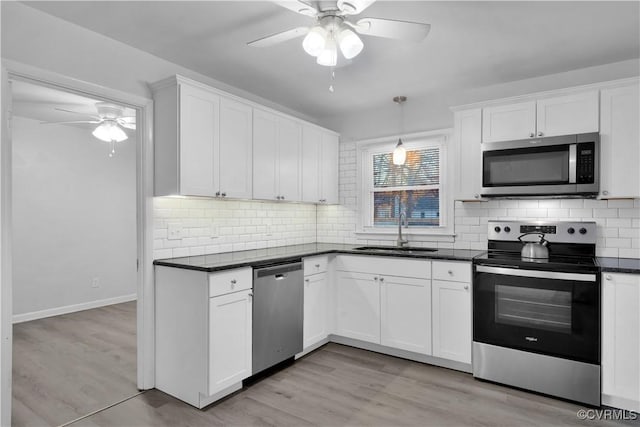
400	153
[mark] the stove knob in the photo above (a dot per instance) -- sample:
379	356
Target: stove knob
497	229
571	230
507	229
583	231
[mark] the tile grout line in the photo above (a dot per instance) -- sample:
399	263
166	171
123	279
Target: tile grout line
102	409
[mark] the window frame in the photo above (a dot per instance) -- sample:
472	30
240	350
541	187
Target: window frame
365	151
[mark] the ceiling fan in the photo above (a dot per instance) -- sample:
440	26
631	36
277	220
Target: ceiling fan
335	30
110	120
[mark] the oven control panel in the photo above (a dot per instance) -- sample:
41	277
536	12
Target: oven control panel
554	231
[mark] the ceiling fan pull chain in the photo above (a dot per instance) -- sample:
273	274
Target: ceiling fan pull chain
333	78
113	148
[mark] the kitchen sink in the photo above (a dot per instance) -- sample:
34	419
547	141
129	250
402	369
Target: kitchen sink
406	249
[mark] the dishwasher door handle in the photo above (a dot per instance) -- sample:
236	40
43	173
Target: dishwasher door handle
280	276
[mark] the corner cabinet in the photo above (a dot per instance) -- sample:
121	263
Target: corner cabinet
319	165
621	341
620	142
203	333
277	157
202	141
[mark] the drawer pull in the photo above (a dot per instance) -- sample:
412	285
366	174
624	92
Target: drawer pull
608	277
317	265
306	280
450	273
375	278
382	279
233	281
466	287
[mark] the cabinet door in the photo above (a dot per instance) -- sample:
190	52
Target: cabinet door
506	122
620	142
621	341
236	137
358	306
199	133
311	152
229	340
406	313
468	135
315	309
452	320
329	168
265	154
569	114
289	141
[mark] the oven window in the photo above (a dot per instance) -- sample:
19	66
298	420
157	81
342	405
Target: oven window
534	308
526	166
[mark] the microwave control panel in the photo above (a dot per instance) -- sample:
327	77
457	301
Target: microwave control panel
585	168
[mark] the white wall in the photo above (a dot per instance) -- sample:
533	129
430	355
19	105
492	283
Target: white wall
74	217
618	220
238	225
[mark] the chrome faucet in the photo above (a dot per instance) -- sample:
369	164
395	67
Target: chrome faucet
400	241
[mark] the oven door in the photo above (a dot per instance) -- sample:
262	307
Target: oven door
551	313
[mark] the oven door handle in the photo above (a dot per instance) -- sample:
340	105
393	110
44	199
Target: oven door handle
556	275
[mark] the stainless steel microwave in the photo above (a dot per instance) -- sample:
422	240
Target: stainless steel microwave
555	166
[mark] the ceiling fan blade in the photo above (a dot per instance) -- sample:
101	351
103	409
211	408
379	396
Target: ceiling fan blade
353	7
300	6
392	29
279	37
127	122
78	113
73	121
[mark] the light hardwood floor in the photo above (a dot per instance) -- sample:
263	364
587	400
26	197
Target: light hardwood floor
68	366
343	386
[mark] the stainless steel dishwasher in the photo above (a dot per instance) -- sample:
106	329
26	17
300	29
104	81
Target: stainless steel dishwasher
277	314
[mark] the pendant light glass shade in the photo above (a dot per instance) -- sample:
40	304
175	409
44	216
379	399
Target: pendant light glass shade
399	153
109	131
315	41
329	56
350	43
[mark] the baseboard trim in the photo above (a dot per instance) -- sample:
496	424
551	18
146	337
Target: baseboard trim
34	315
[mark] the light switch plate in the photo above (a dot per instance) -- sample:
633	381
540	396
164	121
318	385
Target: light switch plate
174	231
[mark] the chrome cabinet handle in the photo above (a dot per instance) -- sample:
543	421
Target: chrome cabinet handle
531	135
540	133
450	273
250	294
382	279
466	287
217	194
317	265
224	194
306	280
282	197
375	278
605	192
608	277
477	196
233	281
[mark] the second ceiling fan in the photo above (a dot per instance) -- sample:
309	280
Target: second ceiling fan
335	30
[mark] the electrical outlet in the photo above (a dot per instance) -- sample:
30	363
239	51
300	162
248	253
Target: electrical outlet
95	282
174	231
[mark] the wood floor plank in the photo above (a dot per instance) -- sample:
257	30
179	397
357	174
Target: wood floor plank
68	366
342	386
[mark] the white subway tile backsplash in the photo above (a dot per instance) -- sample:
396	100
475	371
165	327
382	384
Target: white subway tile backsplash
572	203
581	213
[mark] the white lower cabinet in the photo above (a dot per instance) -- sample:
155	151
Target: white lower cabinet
229	340
405	313
358	306
203	332
451	310
621	341
315	309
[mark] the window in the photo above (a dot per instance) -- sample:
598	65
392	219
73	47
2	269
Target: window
415	188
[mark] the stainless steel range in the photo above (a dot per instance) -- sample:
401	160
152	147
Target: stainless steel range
536	321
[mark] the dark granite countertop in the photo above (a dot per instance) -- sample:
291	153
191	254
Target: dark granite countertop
619	265
282	254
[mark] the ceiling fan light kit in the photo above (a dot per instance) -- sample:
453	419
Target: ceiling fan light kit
334	30
109	131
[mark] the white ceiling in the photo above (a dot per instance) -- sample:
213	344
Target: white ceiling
471	44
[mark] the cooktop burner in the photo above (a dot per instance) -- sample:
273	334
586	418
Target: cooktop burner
554	262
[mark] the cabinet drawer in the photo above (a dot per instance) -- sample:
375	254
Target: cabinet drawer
315	265
386	266
452	271
230	281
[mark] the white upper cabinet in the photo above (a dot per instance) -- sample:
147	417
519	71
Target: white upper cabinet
467	140
277	157
236	138
202	142
319	165
620	142
552	116
506	122
569	114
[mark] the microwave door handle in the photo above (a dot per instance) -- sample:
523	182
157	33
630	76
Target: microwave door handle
572	163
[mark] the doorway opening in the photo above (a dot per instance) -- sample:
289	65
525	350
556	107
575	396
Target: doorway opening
75	245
